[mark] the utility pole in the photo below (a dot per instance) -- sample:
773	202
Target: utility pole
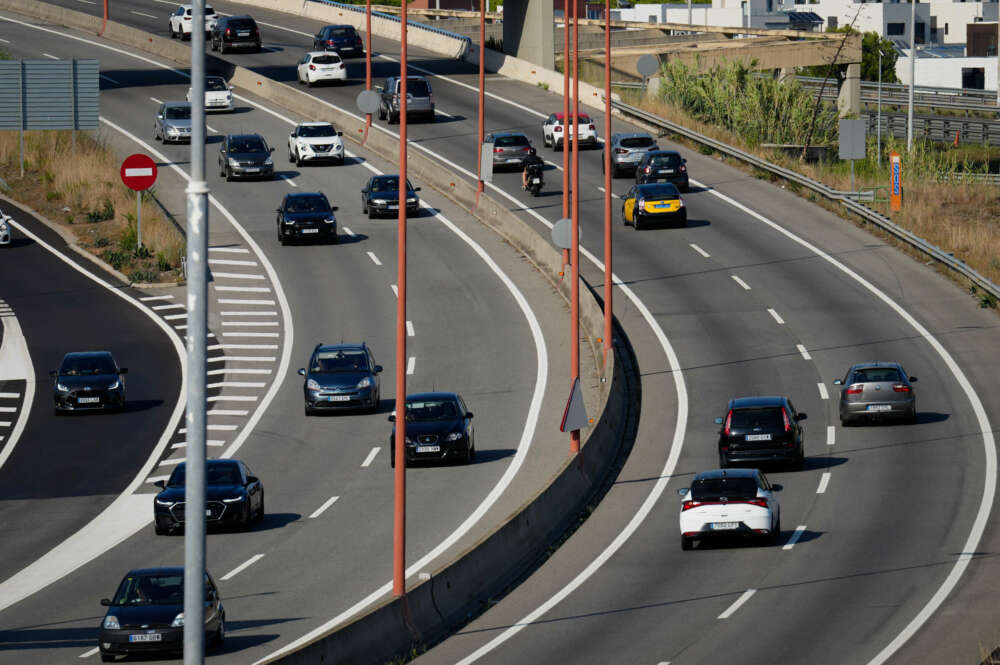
878	115
913	70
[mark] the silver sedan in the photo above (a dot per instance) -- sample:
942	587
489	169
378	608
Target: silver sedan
876	390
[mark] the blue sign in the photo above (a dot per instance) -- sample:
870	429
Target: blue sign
896	189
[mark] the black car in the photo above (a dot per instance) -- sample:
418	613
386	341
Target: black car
380	197
146	614
341	376
88	380
761	429
662	166
438	427
233	497
235	32
245	156
306	216
343	39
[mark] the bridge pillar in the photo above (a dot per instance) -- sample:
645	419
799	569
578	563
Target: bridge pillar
849	97
527	31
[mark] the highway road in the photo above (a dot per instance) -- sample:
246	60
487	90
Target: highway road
760	294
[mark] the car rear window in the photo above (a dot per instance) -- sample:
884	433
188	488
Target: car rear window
767	418
887	374
507	141
418	88
339	361
661	192
714	489
241	24
637	142
208	11
87	366
665	160
317	131
342	32
329	59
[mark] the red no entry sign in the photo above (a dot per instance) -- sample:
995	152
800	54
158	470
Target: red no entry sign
138	172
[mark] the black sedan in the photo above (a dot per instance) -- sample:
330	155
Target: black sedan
306	216
341	376
88	380
146	614
380	197
438	427
233	497
761	429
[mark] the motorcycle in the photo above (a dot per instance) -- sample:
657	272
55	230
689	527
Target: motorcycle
535	182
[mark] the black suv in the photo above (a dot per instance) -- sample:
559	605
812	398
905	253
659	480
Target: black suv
245	156
235	32
343	39
341	376
761	429
419	99
306	216
233	497
88	380
381	197
662	166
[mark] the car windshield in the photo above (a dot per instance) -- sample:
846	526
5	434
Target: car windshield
876	374
215	474
431	410
247	145
87	366
665	160
153	589
316	203
637	142
660	192
508	141
328	59
178	112
417	88
328	362
768	418
310	131
215	83
342	32
241	24
208	11
714	489
388	184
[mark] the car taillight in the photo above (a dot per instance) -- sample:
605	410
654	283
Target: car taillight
620	151
526	149
757	502
497	149
187	18
228	32
330	42
688	505
646	170
340	66
788	425
855	389
592	128
729	416
557	128
901	388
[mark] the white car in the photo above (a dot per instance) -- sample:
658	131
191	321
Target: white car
5	231
554	131
315	141
729	502
318	66
218	94
180	21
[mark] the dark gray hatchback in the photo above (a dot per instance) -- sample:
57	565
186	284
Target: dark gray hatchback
235	32
245	156
662	166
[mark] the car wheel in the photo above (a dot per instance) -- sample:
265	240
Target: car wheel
845	421
800	459
392	457
684	221
298	159
686	543
170	29
375	402
220	634
259	517
776	534
911	417
246	518
309	412
156	137
309	81
635	222
371	213
222	47
723	462
291	157
229	175
160	531
394	119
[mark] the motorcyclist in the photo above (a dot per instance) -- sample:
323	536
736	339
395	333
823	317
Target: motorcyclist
533	166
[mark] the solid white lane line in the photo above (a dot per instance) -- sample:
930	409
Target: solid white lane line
776	317
739	601
700	251
87	2
824	480
175	317
794	537
395	290
374	258
229	250
226	412
215	443
150	298
230	262
243	566
348	231
236	275
409	329
288	179
371	456
822	391
831	434
212	129
154	99
232	398
237	384
802	350
739	281
251	334
260	313
410	364
177	305
92	652
326	504
242	301
143	14
243	289
251	324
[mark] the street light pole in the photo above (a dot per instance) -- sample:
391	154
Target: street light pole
482	93
575	251
878	115
565	122
368	62
913	70
608	310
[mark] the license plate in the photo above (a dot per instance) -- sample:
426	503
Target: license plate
536	181
428	449
243	33
338	398
725	525
666	170
146	637
880	407
310	230
758	437
208	512
253	170
513	159
88	400
394	207
661	205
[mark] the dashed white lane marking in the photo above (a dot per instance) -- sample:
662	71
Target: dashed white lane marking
243	346
288	179
252	359
5	423
242	301
802	350
151	298
250	334
10	395
700	251
172	462
371	456
326	504
211	129
350	233
824	480
87	2
8	409
260	313
553	164
795	537
410	364
395	289
229	250
184	327
374	258
174	317
232	398
226	412
739	601
5	41
176	305
233	370
243	289
51	57
221	428
243	566
236	275
251	324
409	329
156	479
154	99
215	443
143	14
231	262
822	391
831	434
237	384
739	281
441	113
88	654
776	316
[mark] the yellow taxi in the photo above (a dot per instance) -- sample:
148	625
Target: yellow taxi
653	203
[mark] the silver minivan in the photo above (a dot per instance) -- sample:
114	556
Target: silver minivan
419	99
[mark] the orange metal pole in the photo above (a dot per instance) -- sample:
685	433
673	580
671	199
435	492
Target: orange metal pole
104	23
608	312
565	124
399	521
574	445
368	62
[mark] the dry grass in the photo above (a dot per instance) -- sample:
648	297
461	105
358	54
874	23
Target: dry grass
82	190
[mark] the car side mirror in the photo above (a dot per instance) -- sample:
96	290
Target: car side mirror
162	484
718	421
684	161
379	88
838	382
416	189
292	135
468	414
800	416
378	369
270	149
302	371
683	490
392	418
252	479
776	488
340	133
231	88
277	210
913	379
335	208
123	370
106	602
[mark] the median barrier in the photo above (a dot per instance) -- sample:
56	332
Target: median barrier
465	586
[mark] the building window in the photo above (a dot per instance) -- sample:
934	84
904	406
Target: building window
974	77
921	37
945	28
895	29
831	22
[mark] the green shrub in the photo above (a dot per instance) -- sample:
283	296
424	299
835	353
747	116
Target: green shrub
53	196
117	259
162	262
105	213
143	276
102	242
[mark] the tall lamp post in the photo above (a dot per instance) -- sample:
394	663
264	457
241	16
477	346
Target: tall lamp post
913	70
878	114
368	61
482	93
574	130
608	310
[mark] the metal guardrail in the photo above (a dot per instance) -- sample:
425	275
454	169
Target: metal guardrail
861	211
419	26
969	95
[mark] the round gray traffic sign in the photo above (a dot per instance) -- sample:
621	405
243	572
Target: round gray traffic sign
368	101
562	233
648	64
